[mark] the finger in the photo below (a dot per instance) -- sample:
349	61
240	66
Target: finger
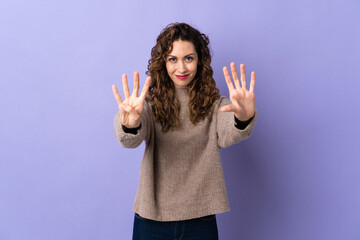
136	84
126	108
116	95
145	88
228	79
243	76
227	108
125	86
235	75
252	83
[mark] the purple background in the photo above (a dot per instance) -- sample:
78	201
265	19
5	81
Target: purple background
63	175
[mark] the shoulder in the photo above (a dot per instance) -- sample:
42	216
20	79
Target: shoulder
218	104
148	101
221	101
148	104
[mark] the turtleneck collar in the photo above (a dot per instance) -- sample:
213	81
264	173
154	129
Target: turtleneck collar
182	93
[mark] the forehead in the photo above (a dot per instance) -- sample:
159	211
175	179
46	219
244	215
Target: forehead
182	48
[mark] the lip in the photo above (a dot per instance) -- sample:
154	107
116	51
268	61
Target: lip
182	77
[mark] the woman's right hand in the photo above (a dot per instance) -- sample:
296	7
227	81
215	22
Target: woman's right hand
133	105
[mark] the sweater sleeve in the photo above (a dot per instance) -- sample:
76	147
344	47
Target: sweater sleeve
131	139
228	133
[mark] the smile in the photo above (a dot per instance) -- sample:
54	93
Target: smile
182	77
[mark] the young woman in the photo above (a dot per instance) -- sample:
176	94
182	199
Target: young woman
184	121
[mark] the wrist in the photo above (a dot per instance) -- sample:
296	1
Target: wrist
240	119
242	124
131	126
135	124
131	130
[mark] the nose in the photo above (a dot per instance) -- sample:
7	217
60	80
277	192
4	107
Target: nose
182	67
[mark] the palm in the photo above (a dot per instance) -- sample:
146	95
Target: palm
131	108
243	100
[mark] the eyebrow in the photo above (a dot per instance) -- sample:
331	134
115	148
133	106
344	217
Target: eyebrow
184	56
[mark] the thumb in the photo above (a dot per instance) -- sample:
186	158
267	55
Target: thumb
227	108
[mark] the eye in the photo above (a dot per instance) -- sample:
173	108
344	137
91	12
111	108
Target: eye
172	59
189	59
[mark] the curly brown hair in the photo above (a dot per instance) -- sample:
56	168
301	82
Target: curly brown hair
202	89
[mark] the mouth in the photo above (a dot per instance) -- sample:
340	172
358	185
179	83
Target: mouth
182	77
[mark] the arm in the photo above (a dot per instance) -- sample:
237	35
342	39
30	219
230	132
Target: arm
242	125
236	117
132	112
228	133
133	137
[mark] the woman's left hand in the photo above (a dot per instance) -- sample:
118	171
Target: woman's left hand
243	100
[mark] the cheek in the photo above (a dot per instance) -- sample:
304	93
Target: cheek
169	68
194	67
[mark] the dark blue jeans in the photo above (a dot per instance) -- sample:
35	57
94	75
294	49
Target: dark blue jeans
193	229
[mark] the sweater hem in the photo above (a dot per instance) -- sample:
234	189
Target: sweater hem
179	217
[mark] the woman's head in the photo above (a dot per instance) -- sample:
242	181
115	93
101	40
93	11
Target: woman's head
181	58
182	63
169	38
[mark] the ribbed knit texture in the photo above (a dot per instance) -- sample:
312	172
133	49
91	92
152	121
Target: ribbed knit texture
181	176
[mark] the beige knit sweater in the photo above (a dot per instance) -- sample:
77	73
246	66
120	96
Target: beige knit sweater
181	176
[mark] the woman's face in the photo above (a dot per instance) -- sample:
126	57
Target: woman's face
181	63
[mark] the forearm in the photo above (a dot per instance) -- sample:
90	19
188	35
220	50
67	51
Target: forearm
125	137
131	130
242	124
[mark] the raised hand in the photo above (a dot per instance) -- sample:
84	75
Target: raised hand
133	105
243	100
